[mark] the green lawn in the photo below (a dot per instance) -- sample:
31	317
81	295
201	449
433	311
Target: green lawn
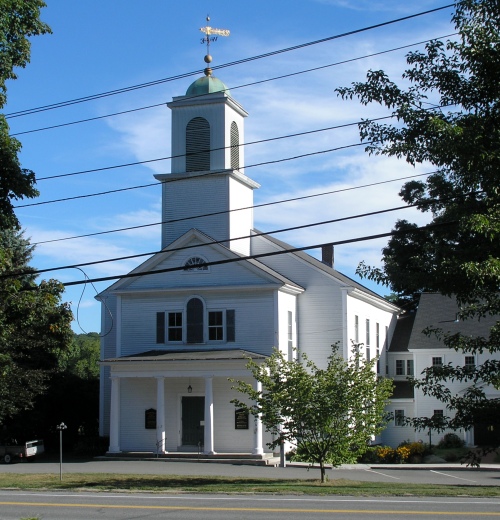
189	484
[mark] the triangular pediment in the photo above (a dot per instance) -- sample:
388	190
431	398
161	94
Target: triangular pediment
182	265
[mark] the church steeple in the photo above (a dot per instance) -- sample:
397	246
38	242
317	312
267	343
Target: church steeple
207	165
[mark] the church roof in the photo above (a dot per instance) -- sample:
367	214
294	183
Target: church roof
402	333
323	267
206	85
441	312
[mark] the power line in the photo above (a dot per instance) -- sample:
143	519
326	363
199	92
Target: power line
223	241
230	64
284	76
206	174
256	206
260	141
260	255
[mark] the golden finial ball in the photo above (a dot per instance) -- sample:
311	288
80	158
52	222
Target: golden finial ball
208	58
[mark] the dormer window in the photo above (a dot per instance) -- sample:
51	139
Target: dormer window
195	263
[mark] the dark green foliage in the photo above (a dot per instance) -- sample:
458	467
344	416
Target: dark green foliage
82	357
19	19
329	414
34	328
449	117
451	440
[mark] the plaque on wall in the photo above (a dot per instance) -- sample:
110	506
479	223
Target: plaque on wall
241	419
150	419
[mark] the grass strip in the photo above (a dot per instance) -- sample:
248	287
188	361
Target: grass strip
189	484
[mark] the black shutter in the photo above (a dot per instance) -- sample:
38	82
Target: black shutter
160	327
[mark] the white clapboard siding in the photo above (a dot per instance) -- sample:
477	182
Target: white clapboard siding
137	395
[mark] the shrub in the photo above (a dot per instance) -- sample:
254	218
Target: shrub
451	440
417	451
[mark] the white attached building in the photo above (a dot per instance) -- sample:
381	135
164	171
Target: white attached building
411	351
218	293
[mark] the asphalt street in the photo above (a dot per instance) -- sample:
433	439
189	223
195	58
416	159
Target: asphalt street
82	506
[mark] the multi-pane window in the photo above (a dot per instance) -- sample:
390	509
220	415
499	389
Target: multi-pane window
399	417
174	326
400	367
437	361
438	416
409	367
215	326
470	362
195	263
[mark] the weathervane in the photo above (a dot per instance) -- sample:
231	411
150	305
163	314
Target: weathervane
210	32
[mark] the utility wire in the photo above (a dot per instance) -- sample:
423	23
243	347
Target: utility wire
212	242
267	80
256	206
230	64
215	172
260	141
261	255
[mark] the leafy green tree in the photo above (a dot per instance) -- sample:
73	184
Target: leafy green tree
82	357
34	323
448	117
34	327
329	414
19	19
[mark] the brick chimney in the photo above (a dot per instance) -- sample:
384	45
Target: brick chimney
327	255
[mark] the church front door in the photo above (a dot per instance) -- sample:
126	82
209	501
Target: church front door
193	415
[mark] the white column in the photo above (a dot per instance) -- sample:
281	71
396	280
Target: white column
257	450
160	415
209	416
114	416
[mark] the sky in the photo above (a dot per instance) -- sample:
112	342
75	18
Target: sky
98	46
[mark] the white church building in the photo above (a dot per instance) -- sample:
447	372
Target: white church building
218	293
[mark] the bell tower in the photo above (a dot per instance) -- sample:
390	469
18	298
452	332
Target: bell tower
207	188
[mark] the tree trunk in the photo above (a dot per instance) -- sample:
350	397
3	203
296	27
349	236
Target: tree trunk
322	469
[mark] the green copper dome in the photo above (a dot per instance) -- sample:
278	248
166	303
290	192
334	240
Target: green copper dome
206	85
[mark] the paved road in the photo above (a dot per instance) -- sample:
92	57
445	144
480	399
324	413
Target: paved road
426	474
78	506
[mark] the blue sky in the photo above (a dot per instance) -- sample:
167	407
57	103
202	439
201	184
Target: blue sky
103	45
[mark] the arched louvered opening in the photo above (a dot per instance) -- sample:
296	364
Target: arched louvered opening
235	146
198	145
194	321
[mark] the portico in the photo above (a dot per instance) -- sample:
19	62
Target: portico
180	402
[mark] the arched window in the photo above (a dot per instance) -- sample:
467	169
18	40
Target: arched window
235	147
195	263
198	145
194	323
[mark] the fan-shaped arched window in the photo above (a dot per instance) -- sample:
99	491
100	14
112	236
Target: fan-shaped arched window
198	145
194	329
195	263
235	146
